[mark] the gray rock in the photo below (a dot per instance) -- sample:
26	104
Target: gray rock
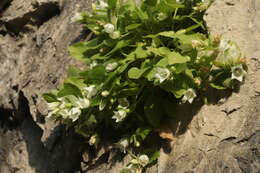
221	137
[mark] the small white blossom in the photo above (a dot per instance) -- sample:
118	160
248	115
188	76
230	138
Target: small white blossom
196	43
93	140
189	95
102	4
144	160
104	93
119	115
64	113
162	74
161	16
124	143
114	35
111	66
90	91
93	64
53	105
83	103
238	73
224	45
109	28
74	113
77	17
102	104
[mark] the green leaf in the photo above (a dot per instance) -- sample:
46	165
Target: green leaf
112	3
163	62
69	89
173	57
96	75
143	132
78	50
73	71
135	73
154	157
177	58
219	87
133	26
121	44
50	97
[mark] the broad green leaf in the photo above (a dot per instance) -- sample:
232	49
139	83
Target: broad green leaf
49	97
163	62
78	50
176	58
76	81
135	73
173	57
73	71
96	75
121	44
69	89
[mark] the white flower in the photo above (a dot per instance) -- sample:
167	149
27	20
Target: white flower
161	16
109	28
238	73
119	115
90	91
102	104
124	143
179	1
229	53
64	113
53	112
104	93
111	66
93	140
77	17
144	160
196	43
123	102
83	103
114	35
53	105
224	45
189	95
93	64
102	4
74	113
162	74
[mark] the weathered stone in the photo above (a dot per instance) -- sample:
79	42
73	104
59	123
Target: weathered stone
223	136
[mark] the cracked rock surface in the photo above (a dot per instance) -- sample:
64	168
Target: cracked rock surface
222	137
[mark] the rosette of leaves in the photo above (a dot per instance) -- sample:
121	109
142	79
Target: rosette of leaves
145	58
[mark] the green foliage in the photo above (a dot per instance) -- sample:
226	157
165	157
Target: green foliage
147	57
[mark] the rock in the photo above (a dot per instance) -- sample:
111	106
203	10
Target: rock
4	3
33	34
223	136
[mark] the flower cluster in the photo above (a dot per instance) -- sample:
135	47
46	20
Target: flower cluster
146	58
68	107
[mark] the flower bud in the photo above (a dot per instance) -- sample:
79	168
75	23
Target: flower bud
109	28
